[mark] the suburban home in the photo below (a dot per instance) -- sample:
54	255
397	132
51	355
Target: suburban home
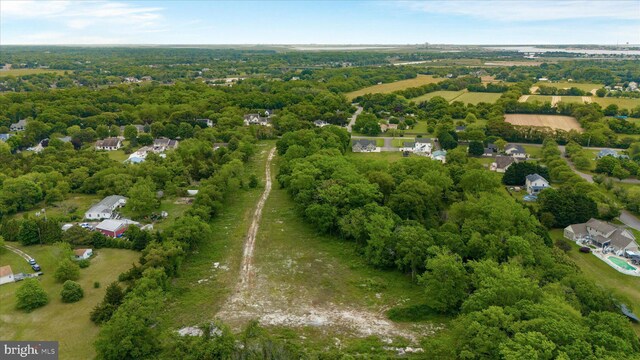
109	144
460	128
422	147
5	137
604	235
19	126
502	163
610	152
82	254
113	228
408	146
363	145
6	275
488	152
163	144
105	208
516	151
256	119
440	155
320	123
217	146
535	183
207	122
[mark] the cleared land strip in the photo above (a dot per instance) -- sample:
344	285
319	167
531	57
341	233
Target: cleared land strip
587	99
523	98
20	253
555	100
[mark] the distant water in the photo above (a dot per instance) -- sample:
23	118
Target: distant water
530	49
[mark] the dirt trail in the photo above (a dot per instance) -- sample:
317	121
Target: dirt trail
555	100
275	303
523	98
587	99
533	89
20	253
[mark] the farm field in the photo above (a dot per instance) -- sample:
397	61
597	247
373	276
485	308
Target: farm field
552	121
573	99
539	98
478	97
566	85
447	95
76	341
20	72
394	86
623	103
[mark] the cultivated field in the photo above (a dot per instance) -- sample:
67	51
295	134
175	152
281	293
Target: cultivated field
551	121
46	323
567	85
478	97
447	95
623	103
538	98
395	86
20	72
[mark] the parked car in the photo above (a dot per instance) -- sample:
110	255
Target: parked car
35	267
585	249
32	262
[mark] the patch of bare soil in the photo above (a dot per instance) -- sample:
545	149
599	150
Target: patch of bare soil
523	98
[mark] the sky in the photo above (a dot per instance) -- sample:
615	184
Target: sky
320	22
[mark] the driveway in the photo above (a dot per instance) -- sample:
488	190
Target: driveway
629	219
352	121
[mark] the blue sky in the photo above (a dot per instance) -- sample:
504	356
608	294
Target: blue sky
319	22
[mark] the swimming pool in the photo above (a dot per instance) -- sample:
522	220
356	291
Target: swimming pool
621	263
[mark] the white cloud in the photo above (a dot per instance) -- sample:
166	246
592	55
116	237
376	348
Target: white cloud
501	10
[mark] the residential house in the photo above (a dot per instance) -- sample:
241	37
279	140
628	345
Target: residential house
131	80
109	144
440	155
256	119
363	145
611	152
19	126
6	275
488	152
535	183
460	128
82	254
320	123
163	144
422	147
217	146
502	163
408	146
105	209
113	228
516	151
604	235
65	139
5	137
207	122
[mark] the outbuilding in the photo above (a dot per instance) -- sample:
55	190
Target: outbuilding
6	275
112	228
82	254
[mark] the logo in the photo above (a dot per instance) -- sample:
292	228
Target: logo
36	350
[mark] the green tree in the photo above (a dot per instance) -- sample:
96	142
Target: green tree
606	164
142	198
446	140
367	124
67	270
29	233
470	118
71	292
131	134
412	244
190	230
102	131
476	148
445	281
145	139
478	180
113	297
620	172
31	295
567	207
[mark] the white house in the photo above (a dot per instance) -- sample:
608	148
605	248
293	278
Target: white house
422	147
440	155
256	119
605	235
535	183
105	208
109	144
161	145
19	126
6	275
408	146
320	123
516	151
82	254
364	145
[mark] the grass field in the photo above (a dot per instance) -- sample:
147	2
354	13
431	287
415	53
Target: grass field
67	323
117	155
534	152
539	98
478	97
623	103
552	121
447	95
395	86
566	85
379	142
572	99
420	128
74	205
624	287
399	142
20	72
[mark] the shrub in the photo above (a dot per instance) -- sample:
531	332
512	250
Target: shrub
67	270
71	292
30	295
96	285
84	263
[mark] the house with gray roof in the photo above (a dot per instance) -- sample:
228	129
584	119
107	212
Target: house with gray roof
109	144
364	145
611	152
19	126
516	151
105	209
163	144
604	235
535	183
5	137
256	119
502	163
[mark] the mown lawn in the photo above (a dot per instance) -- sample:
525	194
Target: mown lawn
118	155
478	97
20	72
395	86
67	323
74	206
533	151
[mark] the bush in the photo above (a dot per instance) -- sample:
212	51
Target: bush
67	270
84	263
71	292
96	285
30	295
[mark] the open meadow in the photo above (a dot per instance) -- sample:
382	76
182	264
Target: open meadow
567	85
623	103
21	72
447	95
566	123
395	86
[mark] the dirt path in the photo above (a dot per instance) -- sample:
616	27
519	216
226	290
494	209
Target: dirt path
587	99
352	121
20	253
555	100
523	98
533	89
593	92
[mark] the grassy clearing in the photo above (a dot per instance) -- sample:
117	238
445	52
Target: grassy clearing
190	302
395	86
624	287
400	142
567	85
539	98
46	323
533	151
447	95
478	97
117	155
623	103
21	72
420	128
74	206
572	99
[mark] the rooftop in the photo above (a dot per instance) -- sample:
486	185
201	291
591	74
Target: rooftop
6	271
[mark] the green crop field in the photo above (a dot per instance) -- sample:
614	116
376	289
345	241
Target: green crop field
539	98
565	85
395	86
623	103
447	95
478	97
20	72
572	99
67	323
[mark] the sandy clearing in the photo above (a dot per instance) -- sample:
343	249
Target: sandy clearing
593	92
565	123
523	98
587	99
533	89
555	100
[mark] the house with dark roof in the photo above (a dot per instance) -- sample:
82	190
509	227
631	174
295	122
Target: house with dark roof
535	183
502	163
163	144
256	119
604	235
109	144
364	145
408	146
516	151
19	126
320	123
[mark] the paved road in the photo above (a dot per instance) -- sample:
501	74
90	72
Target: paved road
354	117
629	219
